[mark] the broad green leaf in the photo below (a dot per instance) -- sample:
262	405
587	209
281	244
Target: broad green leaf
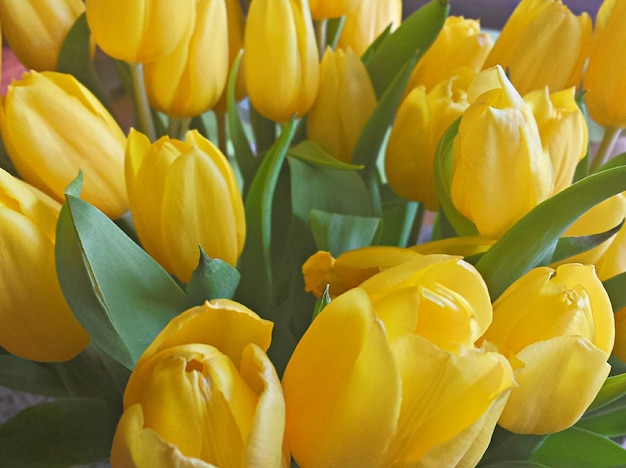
255	262
532	239
508	447
569	246
400	218
616	288
212	279
312	153
375	44
619	160
75	59
413	36
609	421
30	376
514	464
443	175
338	233
119	294
576	447
613	388
61	433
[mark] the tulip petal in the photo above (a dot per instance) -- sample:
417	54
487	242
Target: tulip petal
550	396
342	387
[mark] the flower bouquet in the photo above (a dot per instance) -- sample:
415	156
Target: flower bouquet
329	237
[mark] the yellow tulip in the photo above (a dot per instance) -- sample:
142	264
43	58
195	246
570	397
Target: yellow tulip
345	101
184	195
139	31
414	403
190	80
322	9
35	31
499	168
421	121
606	72
559	325
53	127
460	44
204	393
367	21
563	131
35	321
543	44
281	59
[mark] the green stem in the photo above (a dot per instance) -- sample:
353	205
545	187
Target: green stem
416	227
141	101
320	35
178	126
222	137
609	139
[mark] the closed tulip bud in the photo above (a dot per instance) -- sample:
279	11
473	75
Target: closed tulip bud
543	44
139	31
367	21
460	44
204	393
190	80
605	76
563	131
559	325
184	195
36	30
35	321
499	168
345	101
281	59
323	9
53	127
414	403
421	121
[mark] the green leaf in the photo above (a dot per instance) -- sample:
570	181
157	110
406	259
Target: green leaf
30	376
443	175
119	294
576	447
616	161
75	59
414	35
613	388
508	447
532	239
398	219
60	433
610	421
255	262
338	233
212	279
616	289
514	464
334	26
312	153
569	246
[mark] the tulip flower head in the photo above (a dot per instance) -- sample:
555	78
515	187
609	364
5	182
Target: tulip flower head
323	9
184	195
559	325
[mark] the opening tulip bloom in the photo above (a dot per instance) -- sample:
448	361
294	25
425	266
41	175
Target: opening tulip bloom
184	195
139	31
543	44
323	9
35	321
281	58
204	393
36	30
344	103
53	127
190	80
559	325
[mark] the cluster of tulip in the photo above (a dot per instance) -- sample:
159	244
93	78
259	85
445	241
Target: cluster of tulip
237	279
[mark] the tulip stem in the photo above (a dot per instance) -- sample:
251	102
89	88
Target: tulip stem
320	34
609	139
141	101
177	127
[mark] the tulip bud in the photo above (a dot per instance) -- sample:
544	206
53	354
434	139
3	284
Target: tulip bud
139	31
367	21
421	121
460	44
35	321
499	168
190	80
559	325
184	195
322	9
35	31
281	59
204	393
345	101
543	44
605	76
563	131
53	127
